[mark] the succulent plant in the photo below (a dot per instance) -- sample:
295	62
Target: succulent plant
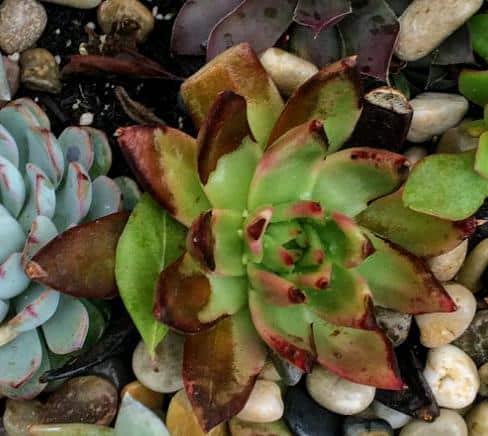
290	242
47	185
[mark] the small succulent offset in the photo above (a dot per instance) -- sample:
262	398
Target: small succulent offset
47	185
290	242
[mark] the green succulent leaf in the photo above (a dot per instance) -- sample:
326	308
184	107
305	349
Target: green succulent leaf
481	159
150	241
473	84
446	186
389	218
477	28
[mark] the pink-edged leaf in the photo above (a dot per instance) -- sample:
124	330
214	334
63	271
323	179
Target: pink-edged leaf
372	31
195	21
403	282
286	330
220	367
361	356
81	261
254	229
321	14
259	22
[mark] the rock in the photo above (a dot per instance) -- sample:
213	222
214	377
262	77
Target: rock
13	74
306	418
477	420
19	415
395	418
70	430
434	113
452	376
287	70
483	374
474	266
112	12
163	372
264	404
449	423
290	374
395	324
336	394
40	71
88	399
437	329
114	370
414	154
79	4
181	421
152	400
426	23
21	24
447	265
243	428
366	427
474	341
457	139
269	372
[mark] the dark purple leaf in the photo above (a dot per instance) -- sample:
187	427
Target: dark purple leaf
371	31
456	49
259	22
321	14
195	21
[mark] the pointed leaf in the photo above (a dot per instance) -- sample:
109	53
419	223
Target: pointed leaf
458	190
42	231
332	96
220	366
106	198
11	235
258	22
284	174
238	70
81	261
8	147
150	241
12	188
164	160
130	192
360	356
321	14
422	235
349	179
13	280
403	282
77	147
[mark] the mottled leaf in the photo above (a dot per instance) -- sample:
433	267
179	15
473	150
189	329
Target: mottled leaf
321	14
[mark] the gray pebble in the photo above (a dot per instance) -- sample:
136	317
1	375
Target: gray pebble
474	341
395	324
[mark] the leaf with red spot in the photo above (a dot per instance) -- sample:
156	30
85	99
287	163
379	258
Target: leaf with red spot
81	261
220	366
321	14
164	161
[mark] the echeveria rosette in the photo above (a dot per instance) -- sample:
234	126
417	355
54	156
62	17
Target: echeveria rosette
278	251
47	185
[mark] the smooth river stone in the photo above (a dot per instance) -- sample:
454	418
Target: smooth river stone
449	423
79	4
474	341
354	426
19	415
264	404
447	265
477	420
244	428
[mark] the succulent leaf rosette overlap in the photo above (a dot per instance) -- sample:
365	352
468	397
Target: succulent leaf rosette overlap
47	185
290	243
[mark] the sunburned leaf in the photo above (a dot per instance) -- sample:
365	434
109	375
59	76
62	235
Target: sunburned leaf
81	261
150	242
321	14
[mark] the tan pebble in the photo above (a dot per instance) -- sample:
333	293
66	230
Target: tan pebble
19	415
449	423
151	399
475	264
477	420
244	428
447	265
483	373
40	71
264	404
269	372
79	4
457	139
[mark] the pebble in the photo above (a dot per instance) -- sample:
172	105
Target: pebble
162	373
447	265
437	329
395	324
287	71
456	140
477	420
21	24
88	399
243	428
40	71
395	418
19	415
152	400
483	374
474	266
426	23
264	404
337	394
70	430
434	113
114	370
452	376
79	4
307	418
111	12
354	426
474	341
415	154
290	374
449	423
13	74
269	372
181	421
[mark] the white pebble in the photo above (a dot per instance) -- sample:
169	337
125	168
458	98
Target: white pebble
449	423
477	420
426	23
447	265
264	403
395	418
434	113
337	394
452	376
287	70
86	119
437	329
414	154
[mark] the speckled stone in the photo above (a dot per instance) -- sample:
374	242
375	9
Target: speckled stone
395	324
19	415
40	71
474	341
